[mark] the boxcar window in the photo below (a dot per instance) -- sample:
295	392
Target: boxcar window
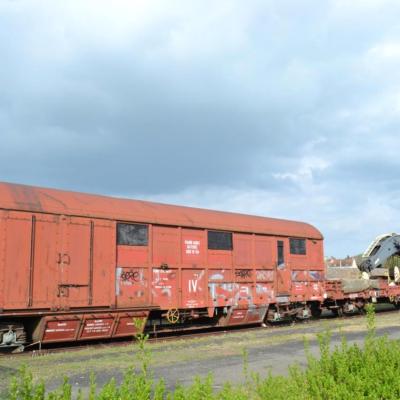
298	246
281	253
219	240
132	234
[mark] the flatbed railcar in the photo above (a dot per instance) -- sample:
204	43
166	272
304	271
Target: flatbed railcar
76	266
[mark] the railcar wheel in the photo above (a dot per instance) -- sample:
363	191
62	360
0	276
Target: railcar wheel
173	315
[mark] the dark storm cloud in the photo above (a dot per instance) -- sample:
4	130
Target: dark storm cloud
293	103
157	123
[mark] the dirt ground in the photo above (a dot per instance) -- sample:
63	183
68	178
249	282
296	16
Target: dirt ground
269	350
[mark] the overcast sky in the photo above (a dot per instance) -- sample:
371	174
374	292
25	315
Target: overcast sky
288	109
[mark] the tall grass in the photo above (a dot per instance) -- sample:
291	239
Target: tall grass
347	371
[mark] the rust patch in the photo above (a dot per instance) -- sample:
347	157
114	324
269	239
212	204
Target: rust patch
26	197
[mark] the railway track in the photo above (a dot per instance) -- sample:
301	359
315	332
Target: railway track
36	351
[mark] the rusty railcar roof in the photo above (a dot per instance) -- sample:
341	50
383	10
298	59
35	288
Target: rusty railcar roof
36	199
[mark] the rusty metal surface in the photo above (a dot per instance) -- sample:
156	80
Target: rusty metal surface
56	262
76	263
57	256
89	326
35	199
381	288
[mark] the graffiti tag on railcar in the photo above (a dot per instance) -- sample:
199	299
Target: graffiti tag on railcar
243	273
132	276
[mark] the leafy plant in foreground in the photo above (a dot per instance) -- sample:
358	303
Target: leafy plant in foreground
348	371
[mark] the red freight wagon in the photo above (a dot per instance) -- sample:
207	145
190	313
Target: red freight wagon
76	266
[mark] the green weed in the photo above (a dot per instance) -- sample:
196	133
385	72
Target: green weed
347	371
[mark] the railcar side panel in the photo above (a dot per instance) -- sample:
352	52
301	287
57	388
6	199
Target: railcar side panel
265	275
264	293
265	259
132	256
300	284
166	246
17	257
194	288
219	258
300	262
223	294
193	247
74	260
243	250
164	288
244	295
265	286
244	275
311	258
220	275
46	270
132	287
264	256
102	289
132	268
316	255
